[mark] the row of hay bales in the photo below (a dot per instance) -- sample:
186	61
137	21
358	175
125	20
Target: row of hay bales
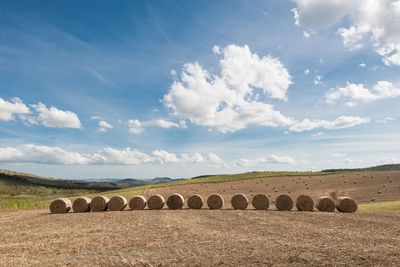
215	201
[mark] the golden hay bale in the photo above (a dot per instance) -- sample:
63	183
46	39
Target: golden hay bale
137	203
284	202
60	205
346	204
260	202
195	202
155	202
304	203
175	201
99	203
81	204
215	202
117	203
239	201
325	204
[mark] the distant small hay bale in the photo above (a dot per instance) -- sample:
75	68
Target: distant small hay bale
239	201
304	203
81	204
284	203
346	204
137	203
195	202
175	201
325	204
60	205
155	202
99	203
215	202
260	202
117	203
373	199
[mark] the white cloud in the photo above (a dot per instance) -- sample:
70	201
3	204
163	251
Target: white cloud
169	124
357	93
104	126
370	20
273	159
318	134
135	126
164	156
30	153
362	65
339	123
41	154
194	158
317	80
385	120
214	158
228	102
8	110
306	71
389	160
53	117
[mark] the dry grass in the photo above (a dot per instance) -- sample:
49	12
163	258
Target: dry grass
199	238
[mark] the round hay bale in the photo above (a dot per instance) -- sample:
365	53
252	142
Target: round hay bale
137	203
195	202
117	203
60	205
346	204
239	202
304	203
175	201
325	204
215	202
260	202
99	203
284	203
81	204
155	202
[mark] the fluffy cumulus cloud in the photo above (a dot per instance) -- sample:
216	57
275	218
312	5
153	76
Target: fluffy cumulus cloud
353	94
231	100
8	109
369	20
135	126
30	153
104	126
272	159
214	158
339	123
52	117
169	124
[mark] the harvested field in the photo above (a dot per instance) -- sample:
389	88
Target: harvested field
199	238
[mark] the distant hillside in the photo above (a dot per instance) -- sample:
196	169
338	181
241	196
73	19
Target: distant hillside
98	185
386	167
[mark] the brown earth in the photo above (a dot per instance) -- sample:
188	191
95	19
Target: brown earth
199	238
362	187
216	237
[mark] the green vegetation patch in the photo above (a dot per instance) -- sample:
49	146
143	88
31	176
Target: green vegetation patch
381	206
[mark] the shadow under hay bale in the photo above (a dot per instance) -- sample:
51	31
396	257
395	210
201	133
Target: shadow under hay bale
60	205
239	202
215	202
175	201
346	204
195	202
99	203
304	203
155	202
137	203
81	204
284	203
325	204
260	202
117	203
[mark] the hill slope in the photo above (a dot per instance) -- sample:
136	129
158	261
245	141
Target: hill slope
386	167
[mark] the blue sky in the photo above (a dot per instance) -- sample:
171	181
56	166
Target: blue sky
140	89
